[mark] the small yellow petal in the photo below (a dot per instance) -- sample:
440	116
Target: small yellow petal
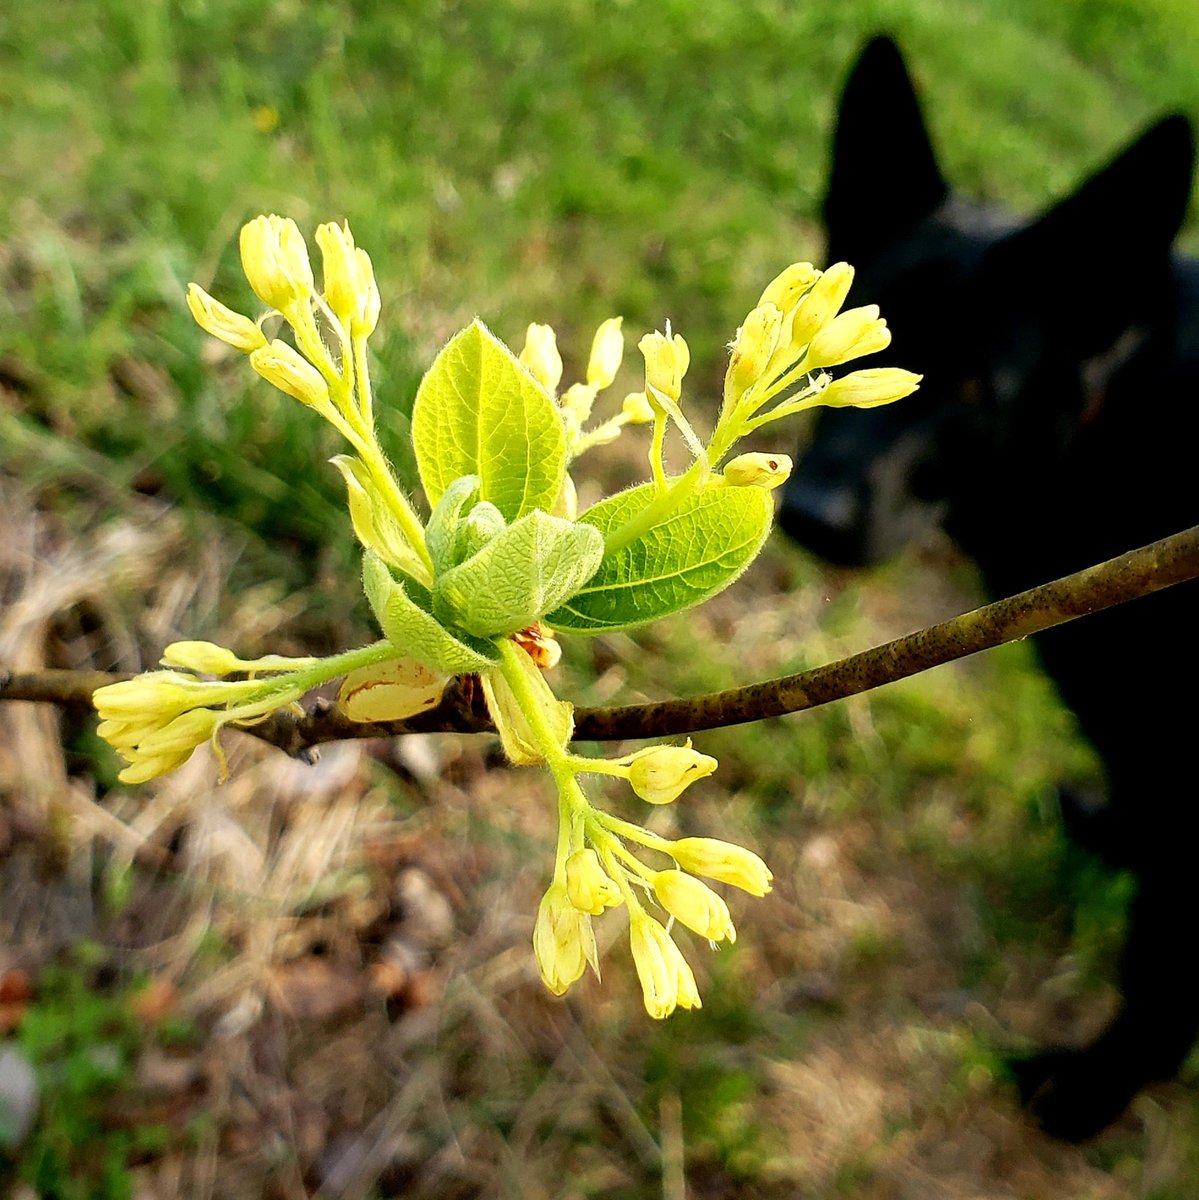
588	886
692	902
540	355
231	327
870	388
786	288
289	371
758	470
607	349
723	861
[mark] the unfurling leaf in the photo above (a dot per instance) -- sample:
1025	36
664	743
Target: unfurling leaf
402	610
521	573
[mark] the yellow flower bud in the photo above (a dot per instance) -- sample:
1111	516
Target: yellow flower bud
785	289
289	371
637	409
540	356
563	940
666	362
367	315
754	345
607	349
210	659
695	905
758	470
660	774
344	286
206	657
372	519
667	981
821	304
870	388
231	327
161	750
161	694
588	887
723	861
274	257
852	334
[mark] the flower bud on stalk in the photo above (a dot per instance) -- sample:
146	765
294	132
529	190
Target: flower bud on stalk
540	355
758	470
607	349
852	334
870	388
666	361
274	257
289	371
693	903
563	940
215	318
660	774
667	981
587	885
722	861
821	304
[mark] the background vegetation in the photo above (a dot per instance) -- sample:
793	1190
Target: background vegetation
318	981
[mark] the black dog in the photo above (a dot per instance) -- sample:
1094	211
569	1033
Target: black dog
1057	426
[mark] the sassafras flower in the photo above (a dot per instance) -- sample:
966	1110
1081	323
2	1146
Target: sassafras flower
667	981
563	940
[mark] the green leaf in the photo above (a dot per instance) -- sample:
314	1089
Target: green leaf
402	610
479	412
520	574
696	551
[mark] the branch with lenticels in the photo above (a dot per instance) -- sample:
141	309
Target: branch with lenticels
1151	568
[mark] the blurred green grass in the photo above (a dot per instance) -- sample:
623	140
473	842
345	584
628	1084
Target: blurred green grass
562	162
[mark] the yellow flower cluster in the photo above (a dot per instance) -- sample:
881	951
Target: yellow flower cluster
155	720
795	332
780	357
334	382
597	870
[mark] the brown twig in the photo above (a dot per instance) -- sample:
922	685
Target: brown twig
1140	572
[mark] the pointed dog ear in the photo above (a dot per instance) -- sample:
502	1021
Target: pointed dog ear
1096	261
884	175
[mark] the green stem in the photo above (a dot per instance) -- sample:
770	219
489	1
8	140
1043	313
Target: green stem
657	441
633	833
573	806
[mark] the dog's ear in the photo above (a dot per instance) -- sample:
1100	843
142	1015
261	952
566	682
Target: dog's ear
884	175
1096	261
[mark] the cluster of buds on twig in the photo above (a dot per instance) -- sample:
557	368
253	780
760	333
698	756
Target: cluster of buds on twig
504	561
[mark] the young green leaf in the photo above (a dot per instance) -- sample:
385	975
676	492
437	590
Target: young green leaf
696	551
525	570
410	627
479	412
442	534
